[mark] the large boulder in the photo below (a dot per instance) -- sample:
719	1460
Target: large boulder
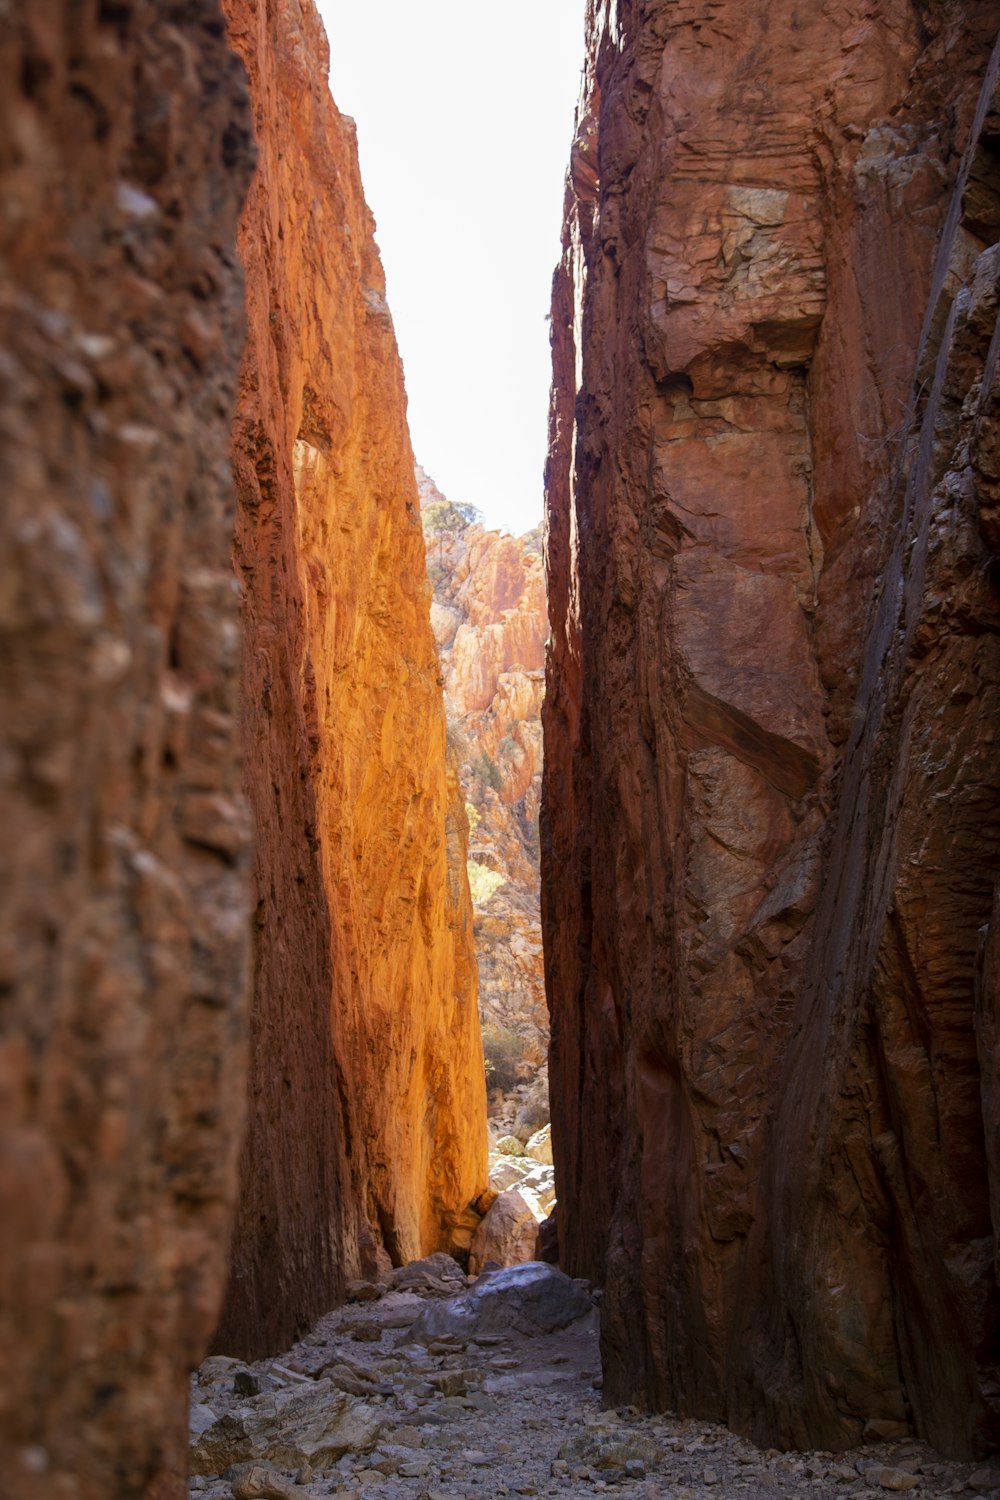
539	1145
315	1424
531	1299
508	1235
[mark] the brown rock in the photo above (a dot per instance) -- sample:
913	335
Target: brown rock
123	925
260	1482
366	1078
508	1235
771	807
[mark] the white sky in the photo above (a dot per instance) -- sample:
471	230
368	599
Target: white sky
465	117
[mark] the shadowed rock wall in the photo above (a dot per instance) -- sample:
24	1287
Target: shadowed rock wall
367	1117
771	807
124	155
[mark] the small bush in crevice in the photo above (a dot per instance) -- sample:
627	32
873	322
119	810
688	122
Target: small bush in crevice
483	882
486	770
502	1051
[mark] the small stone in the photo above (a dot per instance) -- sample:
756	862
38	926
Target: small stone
635	1468
984	1479
364	1291
260	1482
897	1479
366	1333
408	1437
559	1466
709	1476
449	1382
414	1468
884	1430
476	1457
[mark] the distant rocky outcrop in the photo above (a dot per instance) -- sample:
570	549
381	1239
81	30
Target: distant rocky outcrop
771	814
489	620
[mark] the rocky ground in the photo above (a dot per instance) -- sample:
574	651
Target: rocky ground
441	1387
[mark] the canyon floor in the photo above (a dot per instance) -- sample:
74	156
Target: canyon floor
379	1404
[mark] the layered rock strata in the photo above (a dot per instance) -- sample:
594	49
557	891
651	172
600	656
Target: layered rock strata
367	1132
771	807
125	151
489	620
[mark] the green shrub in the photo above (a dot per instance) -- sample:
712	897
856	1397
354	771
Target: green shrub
448	515
503	1051
486	770
483	882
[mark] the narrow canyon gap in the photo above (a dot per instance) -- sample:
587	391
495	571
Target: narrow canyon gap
771	807
771	803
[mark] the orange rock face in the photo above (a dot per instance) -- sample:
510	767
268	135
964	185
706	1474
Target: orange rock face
771	806
124	859
489	620
367	1108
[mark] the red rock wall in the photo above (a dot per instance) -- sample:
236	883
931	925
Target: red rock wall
771	808
367	1105
124	154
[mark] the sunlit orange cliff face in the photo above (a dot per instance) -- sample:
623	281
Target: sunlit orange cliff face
367	1132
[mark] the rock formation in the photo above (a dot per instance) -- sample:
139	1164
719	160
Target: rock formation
772	804
489	620
366	1131
124	859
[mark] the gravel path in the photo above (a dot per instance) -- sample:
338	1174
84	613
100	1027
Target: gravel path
496	1415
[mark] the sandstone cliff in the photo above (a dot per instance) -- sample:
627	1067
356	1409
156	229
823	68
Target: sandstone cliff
772	805
367	1125
124	154
489	621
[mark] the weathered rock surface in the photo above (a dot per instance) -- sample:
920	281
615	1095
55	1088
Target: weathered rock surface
367	1106
124	856
313	1423
772	806
507	1235
489	620
531	1299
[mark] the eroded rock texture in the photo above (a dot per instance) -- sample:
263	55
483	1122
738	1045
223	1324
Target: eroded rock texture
489	621
124	155
772	806
367	1108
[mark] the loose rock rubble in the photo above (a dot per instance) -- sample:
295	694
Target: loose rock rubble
433	1387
